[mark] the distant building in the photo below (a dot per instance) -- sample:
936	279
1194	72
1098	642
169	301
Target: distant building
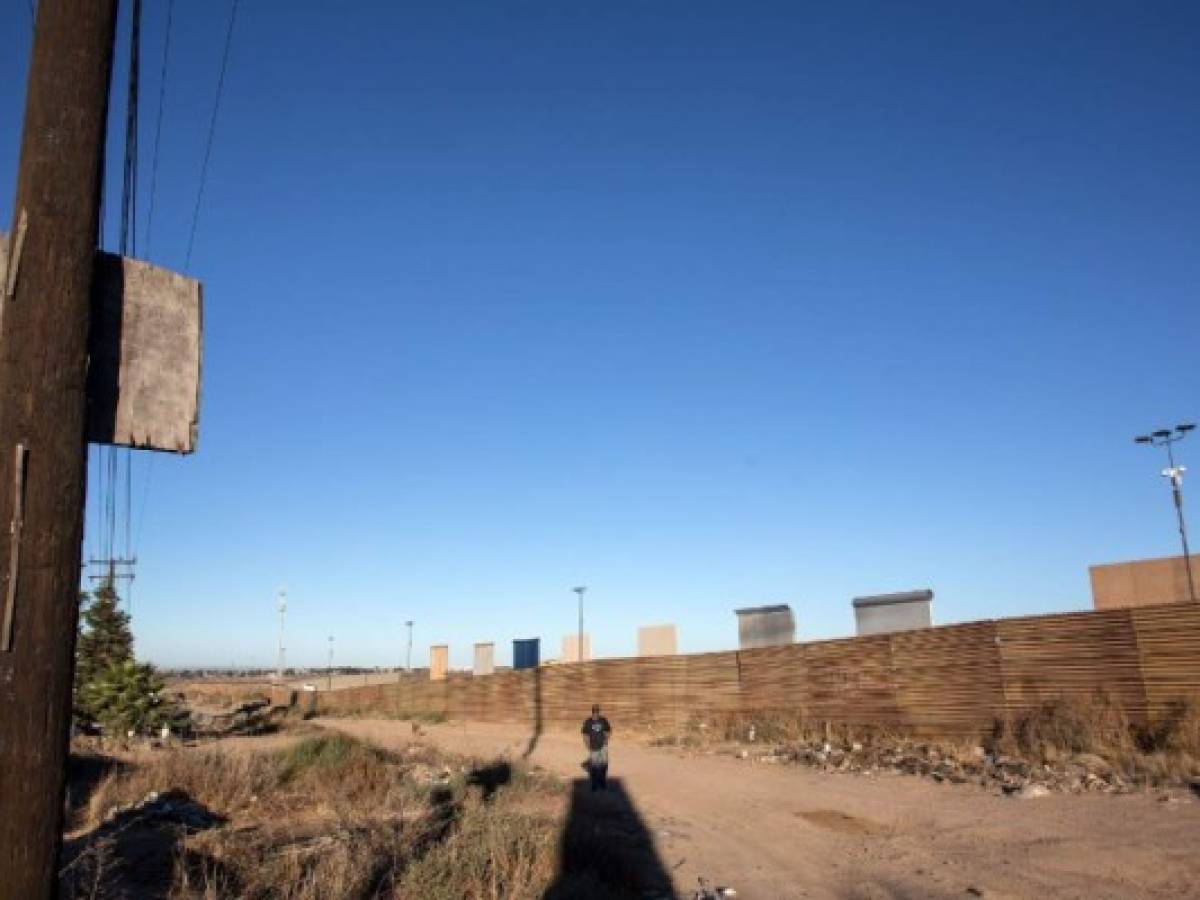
485	659
657	640
765	626
884	613
1143	582
570	648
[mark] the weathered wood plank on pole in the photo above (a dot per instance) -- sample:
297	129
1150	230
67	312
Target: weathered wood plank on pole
144	355
43	406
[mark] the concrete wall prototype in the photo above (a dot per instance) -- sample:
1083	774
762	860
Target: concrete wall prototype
439	662
884	613
765	626
952	680
570	647
485	660
657	640
1143	582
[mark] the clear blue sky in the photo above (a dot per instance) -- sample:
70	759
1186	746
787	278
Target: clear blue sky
702	305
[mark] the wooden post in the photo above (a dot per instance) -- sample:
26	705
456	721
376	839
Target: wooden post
44	321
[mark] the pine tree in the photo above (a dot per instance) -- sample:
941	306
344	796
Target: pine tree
105	640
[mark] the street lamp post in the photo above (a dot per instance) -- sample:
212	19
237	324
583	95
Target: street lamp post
1165	437
281	665
579	648
329	666
408	653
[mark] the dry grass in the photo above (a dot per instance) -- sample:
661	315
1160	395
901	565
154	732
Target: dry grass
329	818
495	851
1065	726
766	727
1165	748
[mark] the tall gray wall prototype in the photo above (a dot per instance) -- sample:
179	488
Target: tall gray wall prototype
765	626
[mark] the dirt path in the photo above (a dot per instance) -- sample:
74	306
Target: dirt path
777	832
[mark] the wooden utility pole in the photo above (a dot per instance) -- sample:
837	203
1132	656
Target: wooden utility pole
44	322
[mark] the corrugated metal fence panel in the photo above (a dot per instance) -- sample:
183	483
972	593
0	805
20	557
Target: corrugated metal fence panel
947	679
1168	640
774	678
1045	657
562	686
709	685
951	680
656	680
851	681
608	682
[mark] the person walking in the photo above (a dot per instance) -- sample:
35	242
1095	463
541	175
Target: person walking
595	733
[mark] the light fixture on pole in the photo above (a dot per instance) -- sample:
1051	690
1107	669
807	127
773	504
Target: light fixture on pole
1166	437
329	666
281	664
579	647
408	654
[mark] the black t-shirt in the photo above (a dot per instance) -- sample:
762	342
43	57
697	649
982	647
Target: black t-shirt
597	731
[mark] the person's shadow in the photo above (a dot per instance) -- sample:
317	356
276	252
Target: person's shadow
606	849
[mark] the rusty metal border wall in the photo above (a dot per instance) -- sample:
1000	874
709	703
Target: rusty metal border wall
949	680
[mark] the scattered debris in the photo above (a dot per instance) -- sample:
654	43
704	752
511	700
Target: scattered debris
712	893
253	717
1032	791
1082	773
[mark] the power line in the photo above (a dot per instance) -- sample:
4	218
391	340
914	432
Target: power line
162	93
212	128
129	180
115	494
129	193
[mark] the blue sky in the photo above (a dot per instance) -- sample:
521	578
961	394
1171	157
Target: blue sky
699	304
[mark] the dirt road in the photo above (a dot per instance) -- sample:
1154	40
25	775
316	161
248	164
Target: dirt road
777	832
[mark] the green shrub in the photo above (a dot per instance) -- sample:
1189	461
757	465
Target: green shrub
126	697
322	752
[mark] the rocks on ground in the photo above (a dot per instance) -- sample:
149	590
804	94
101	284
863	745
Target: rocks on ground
1013	776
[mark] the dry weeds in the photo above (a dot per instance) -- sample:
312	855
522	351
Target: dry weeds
328	818
1164	749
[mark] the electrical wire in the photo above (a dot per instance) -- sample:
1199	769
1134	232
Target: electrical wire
162	93
129	180
128	243
114	465
212	128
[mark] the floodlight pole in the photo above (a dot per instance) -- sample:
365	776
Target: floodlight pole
579	648
408	653
1166	438
281	665
329	667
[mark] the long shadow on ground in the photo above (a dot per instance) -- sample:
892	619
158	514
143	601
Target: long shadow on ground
131	856
607	851
84	772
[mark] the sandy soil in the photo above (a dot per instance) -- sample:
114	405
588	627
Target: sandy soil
785	831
